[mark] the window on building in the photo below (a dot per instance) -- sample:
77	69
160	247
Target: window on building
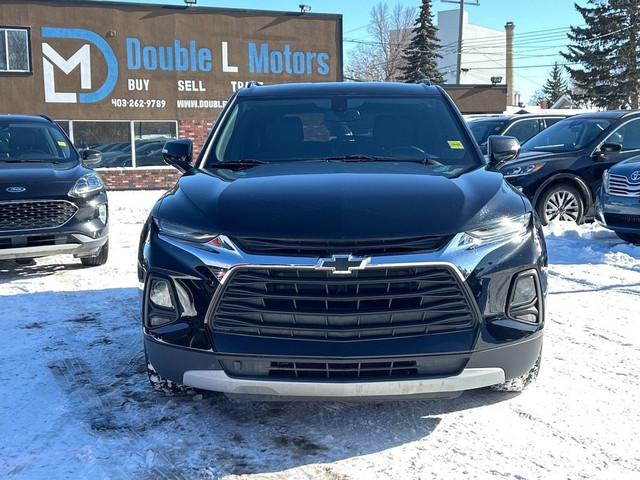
124	144
14	50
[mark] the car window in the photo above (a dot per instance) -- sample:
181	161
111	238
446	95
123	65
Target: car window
551	120
481	129
316	128
568	135
33	141
523	130
627	135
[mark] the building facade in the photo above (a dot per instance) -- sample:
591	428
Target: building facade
483	50
124	78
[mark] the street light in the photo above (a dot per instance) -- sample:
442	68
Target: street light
496	80
304	8
190	2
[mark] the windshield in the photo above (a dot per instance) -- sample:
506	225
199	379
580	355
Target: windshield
341	128
568	135
28	141
481	129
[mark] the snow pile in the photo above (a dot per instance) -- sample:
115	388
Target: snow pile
76	402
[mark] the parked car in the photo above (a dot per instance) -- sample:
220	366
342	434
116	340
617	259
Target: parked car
618	200
339	240
50	202
522	126
560	169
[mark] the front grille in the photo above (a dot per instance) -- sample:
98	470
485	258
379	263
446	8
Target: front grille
622	186
16	216
325	248
336	370
620	220
374	303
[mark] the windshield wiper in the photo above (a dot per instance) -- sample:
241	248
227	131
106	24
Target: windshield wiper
369	158
238	163
30	160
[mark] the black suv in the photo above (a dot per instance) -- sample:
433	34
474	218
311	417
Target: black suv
50	202
561	168
521	126
341	240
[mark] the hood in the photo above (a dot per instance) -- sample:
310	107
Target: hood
39	179
627	167
339	200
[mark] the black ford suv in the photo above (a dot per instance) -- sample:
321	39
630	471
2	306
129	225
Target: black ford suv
50	202
341	240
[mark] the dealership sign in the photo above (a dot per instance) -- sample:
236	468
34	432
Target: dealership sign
180	57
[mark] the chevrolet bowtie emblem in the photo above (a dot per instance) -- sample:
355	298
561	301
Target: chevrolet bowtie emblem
342	264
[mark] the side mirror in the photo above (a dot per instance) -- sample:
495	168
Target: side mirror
91	157
609	147
179	154
501	149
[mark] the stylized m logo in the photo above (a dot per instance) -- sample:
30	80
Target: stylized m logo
81	58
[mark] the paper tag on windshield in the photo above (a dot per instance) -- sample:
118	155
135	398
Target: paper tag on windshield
455	144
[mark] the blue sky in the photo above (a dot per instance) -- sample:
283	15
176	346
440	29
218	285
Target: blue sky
541	26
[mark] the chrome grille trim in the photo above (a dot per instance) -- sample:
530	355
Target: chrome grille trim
620	185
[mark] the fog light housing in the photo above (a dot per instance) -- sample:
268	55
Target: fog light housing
160	294
525	298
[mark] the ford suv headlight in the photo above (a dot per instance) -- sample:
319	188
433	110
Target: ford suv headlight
520	170
86	185
508	228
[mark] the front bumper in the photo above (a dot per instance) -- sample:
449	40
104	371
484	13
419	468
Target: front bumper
618	213
82	235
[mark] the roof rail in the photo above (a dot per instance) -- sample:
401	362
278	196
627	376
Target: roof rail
253	83
46	117
425	81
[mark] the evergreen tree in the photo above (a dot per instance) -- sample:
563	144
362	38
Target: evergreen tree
607	51
421	55
555	87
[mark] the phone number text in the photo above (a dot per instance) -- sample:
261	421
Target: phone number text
133	103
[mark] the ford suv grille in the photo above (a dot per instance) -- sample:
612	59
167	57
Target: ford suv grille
34	215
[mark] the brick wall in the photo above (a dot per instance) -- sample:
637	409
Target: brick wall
149	178
196	131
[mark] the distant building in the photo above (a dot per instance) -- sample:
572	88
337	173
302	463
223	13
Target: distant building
483	50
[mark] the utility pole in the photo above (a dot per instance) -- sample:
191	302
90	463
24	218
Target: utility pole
460	27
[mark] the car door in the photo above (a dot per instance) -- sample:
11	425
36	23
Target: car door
628	136
523	129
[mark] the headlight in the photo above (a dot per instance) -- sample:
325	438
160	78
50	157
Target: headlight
187	234
87	184
605	182
520	170
508	228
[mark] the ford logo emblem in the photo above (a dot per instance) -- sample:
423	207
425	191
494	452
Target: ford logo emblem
16	189
635	176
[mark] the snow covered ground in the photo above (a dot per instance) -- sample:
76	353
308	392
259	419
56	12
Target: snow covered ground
76	404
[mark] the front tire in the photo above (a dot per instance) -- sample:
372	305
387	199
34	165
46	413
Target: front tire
518	384
629	237
98	259
562	203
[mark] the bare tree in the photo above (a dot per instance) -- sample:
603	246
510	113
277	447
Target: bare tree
380	58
